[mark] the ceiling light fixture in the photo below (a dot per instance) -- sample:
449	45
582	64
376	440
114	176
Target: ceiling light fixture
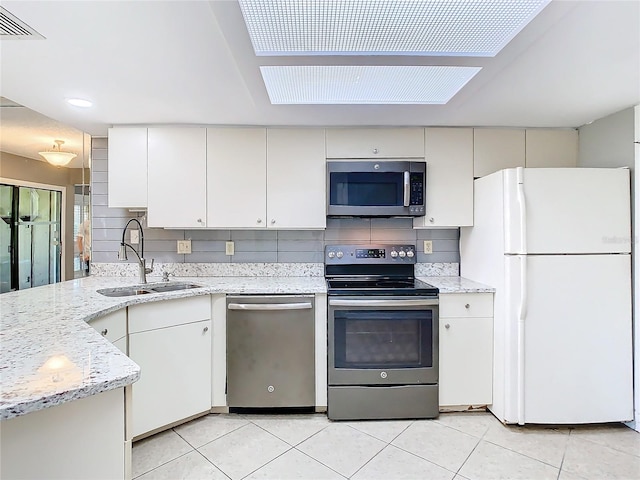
79	102
58	157
479	28
358	84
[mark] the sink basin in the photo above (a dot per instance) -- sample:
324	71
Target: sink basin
144	289
124	291
172	287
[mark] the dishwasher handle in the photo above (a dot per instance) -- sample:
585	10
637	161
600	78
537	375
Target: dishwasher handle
270	306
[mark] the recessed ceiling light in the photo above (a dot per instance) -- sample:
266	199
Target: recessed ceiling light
357	84
479	28
79	102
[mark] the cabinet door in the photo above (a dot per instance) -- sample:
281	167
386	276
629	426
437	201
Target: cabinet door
551	147
375	143
175	376
112	326
466	361
236	177
449	192
177	183
497	148
296	178
128	167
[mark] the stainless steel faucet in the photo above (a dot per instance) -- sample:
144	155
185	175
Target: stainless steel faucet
122	252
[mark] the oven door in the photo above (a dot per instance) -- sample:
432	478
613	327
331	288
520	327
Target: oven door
382	340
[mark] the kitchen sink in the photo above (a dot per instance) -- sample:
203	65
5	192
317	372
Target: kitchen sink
124	291
145	289
172	287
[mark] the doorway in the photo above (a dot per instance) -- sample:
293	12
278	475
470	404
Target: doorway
30	235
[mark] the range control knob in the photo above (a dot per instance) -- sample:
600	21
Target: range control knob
339	254
410	253
394	254
331	254
402	254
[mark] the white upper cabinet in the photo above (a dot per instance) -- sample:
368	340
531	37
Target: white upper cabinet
375	143
551	147
449	191
497	148
296	178
177	160
236	178
128	167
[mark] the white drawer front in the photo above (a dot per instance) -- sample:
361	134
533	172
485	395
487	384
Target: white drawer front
466	305
167	313
112	326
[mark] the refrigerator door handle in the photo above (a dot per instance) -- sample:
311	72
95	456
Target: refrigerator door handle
522	313
522	206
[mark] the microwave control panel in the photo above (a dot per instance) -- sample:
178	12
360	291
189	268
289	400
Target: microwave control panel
416	198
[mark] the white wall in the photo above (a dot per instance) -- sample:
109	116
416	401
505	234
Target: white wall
609	142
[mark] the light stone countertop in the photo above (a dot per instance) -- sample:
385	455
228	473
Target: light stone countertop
457	285
48	324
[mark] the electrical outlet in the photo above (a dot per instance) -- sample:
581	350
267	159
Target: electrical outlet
229	248
428	246
135	237
184	246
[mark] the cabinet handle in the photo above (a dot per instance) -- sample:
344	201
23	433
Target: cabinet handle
104	332
259	220
273	221
447	326
199	220
431	220
205	329
375	150
467	306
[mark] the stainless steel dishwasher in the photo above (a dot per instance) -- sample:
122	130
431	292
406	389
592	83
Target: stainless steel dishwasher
270	351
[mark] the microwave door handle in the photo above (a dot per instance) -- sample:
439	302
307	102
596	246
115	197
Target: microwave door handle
407	189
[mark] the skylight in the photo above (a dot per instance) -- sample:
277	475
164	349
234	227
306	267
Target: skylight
353	84
477	28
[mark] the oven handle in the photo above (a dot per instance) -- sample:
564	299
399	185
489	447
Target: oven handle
270	306
407	189
383	303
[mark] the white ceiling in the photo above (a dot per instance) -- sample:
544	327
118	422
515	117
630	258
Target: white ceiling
191	62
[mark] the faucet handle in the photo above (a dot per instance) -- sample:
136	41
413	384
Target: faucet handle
165	275
149	269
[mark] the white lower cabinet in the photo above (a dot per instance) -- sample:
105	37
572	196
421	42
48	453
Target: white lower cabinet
113	326
466	349
171	341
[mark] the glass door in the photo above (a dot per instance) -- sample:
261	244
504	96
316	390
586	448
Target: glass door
6	236
31	230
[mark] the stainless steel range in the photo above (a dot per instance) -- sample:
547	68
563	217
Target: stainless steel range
383	334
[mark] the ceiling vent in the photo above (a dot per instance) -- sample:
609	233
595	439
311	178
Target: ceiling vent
12	28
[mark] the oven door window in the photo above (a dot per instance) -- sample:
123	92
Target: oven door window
383	339
367	189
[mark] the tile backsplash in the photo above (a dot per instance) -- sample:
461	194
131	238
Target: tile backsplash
251	246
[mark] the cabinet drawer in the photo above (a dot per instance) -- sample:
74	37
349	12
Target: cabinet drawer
375	143
112	326
167	313
466	305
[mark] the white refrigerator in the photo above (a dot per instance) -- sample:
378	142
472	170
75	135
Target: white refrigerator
555	243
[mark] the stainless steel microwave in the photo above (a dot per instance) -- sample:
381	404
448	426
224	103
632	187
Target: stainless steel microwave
376	189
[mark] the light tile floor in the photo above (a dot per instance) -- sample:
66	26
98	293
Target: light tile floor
455	446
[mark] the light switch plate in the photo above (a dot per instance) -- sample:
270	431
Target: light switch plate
229	248
428	246
135	237
184	246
